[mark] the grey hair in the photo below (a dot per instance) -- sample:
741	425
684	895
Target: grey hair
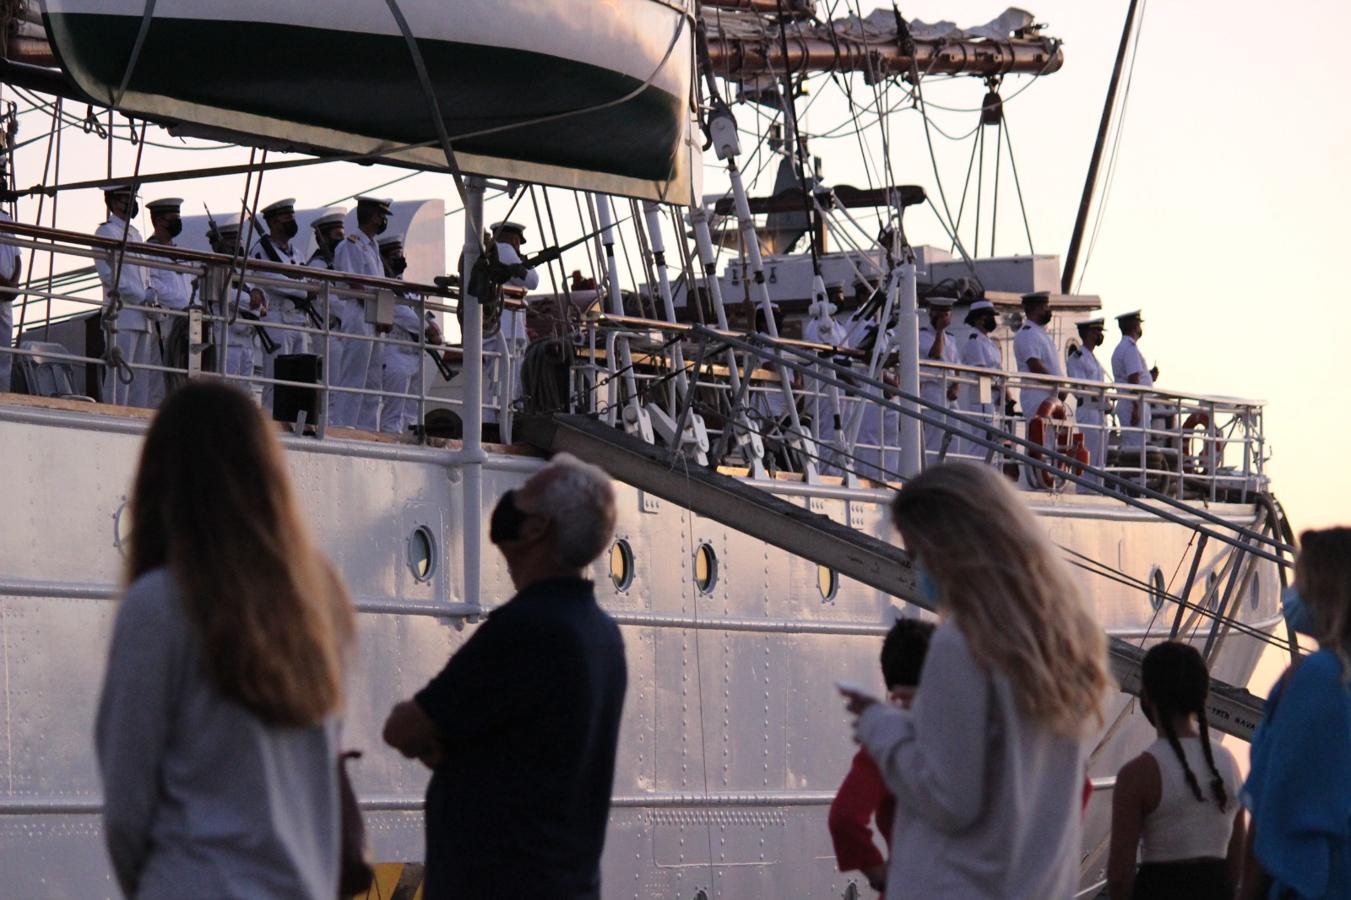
579	499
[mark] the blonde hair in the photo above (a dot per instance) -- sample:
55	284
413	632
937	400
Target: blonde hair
1008	590
1323	576
212	502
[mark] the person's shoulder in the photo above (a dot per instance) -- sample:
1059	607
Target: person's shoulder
151	598
1319	670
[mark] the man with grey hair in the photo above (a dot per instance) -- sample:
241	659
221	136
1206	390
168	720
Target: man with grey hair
520	728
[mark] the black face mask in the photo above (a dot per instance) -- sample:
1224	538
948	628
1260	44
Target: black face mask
175	227
384	223
987	324
290	229
397	265
505	525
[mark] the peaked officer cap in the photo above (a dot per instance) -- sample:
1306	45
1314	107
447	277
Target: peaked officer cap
165	203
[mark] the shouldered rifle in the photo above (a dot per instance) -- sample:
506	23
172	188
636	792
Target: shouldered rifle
213	235
304	304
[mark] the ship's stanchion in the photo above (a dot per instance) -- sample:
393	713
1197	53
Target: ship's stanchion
635	418
472	408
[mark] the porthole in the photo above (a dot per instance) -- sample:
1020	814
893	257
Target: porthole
705	568
1158	589
827	582
422	553
122	528
621	565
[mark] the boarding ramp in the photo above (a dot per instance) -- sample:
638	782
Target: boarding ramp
756	511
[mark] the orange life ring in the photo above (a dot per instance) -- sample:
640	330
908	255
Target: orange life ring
1051	416
1200	418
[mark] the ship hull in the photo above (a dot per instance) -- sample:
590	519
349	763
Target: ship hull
733	740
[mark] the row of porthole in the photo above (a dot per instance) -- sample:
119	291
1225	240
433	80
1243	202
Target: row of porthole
623	570
1158	590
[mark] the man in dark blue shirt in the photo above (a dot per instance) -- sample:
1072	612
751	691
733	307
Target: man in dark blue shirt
520	728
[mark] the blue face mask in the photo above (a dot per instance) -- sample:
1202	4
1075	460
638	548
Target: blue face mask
1297	613
928	589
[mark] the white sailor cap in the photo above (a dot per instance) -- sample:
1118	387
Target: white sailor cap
228	224
112	190
334	215
982	304
1091	323
499	227
389	240
278	207
165	203
381	203
940	302
1133	314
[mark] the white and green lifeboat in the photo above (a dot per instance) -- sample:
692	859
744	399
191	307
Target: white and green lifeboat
590	94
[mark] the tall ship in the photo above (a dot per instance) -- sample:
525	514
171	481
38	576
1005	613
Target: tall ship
735	338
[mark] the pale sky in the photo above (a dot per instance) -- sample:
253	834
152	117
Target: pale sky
1222	220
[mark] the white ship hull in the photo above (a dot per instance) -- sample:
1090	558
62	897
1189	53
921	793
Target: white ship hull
733	740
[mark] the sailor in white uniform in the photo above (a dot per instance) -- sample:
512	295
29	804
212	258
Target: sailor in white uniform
329	231
133	285
979	350
1091	411
11	267
285	305
171	290
937	344
504	352
1035	351
359	365
239	338
1129	367
826	404
401	361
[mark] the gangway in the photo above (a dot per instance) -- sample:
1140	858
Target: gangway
756	511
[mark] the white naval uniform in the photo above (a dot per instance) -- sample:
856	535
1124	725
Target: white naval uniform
133	326
171	290
980	351
359	363
822	406
877	427
1032	342
1127	361
931	387
9	258
1091	413
502	376
401	365
282	309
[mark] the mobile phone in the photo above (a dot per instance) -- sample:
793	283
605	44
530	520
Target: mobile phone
853	688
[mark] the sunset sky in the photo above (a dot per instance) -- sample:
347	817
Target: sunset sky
1223	220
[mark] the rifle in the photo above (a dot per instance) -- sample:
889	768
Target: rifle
303	304
213	236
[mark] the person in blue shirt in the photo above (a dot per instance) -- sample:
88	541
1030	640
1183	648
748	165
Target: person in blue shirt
1299	787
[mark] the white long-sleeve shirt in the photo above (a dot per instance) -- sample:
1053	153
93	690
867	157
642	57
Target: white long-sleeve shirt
987	800
132	281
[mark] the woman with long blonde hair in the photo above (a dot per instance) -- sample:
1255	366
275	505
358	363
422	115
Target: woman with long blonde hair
988	766
217	726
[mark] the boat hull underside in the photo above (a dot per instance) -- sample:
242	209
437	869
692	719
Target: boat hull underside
343	82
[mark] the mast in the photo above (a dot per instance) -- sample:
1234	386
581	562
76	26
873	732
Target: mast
1091	181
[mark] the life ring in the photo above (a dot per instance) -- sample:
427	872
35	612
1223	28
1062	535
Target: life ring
1050	428
1201	418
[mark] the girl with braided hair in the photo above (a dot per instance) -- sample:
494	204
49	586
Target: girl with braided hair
1176	804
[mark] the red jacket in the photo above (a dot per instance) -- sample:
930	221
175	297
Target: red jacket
861	799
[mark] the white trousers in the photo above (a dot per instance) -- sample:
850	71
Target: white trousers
397	413
353	366
135	347
1132	435
932	391
986	413
1090	421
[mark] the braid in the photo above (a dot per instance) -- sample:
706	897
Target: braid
1165	719
1216	781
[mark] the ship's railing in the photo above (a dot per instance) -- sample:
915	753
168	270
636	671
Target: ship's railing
1192	446
206	335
